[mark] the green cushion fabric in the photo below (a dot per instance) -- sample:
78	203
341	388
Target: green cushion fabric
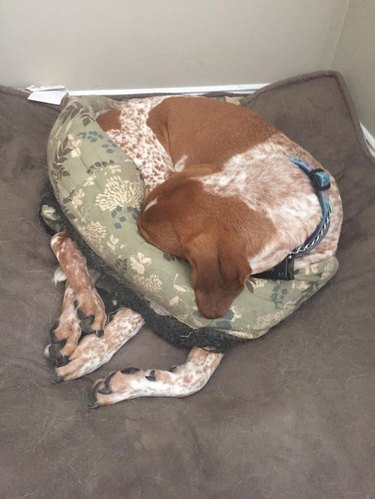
100	191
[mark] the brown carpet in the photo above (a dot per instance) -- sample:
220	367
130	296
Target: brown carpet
290	416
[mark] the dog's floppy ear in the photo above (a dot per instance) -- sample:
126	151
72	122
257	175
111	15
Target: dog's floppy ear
219	272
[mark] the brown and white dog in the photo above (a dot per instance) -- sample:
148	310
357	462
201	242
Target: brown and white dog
222	193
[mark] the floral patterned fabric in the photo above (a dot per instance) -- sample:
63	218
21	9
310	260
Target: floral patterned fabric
100	191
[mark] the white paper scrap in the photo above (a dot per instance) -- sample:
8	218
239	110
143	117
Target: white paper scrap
49	95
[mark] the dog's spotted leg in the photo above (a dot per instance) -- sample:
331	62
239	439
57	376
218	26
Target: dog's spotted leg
67	332
90	307
92	351
179	381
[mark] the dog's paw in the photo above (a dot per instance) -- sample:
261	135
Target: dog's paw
58	352
90	311
93	351
178	381
133	383
65	334
124	385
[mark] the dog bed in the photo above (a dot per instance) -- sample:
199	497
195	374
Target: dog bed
99	193
290	415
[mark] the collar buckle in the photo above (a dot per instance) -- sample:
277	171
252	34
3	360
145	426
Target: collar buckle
320	179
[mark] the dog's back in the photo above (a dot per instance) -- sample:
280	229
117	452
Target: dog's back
222	191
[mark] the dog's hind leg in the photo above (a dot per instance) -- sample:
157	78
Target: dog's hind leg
90	307
179	381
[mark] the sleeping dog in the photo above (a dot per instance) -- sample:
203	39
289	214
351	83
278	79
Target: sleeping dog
226	191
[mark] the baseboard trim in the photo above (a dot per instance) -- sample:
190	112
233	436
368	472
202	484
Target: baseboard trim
206	89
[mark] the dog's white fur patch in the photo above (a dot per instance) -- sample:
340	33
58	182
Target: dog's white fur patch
140	143
267	181
58	276
181	163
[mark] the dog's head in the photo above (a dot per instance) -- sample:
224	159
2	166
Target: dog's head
219	272
180	218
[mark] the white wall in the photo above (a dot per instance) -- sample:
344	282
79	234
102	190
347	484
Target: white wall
355	58
91	44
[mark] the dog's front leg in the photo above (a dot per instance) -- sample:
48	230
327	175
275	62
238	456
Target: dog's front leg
179	381
90	307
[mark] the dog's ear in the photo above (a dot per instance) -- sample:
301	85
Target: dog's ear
219	272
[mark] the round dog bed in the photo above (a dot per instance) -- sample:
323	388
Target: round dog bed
100	191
